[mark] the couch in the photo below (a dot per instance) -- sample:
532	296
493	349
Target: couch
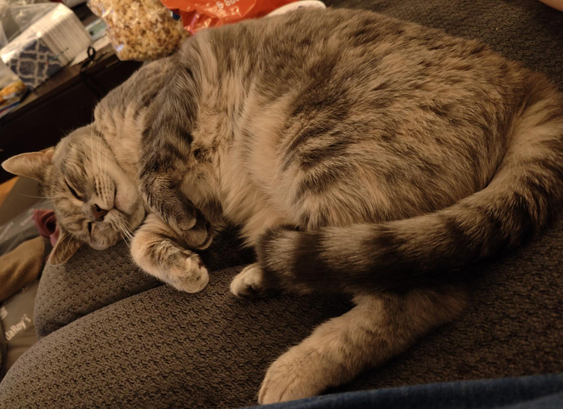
112	336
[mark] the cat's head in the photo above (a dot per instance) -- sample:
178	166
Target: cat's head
95	201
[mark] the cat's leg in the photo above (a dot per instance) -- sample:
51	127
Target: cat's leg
376	329
154	248
168	155
161	193
249	282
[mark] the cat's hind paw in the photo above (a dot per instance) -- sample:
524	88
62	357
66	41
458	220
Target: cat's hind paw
249	283
294	375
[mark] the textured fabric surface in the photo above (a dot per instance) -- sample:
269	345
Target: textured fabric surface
513	326
91	280
163	348
160	348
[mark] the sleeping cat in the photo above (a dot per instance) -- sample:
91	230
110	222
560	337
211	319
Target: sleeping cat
358	153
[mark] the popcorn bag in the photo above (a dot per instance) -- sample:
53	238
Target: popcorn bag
202	14
139	29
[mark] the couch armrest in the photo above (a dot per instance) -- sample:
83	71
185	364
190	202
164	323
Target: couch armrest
92	279
87	282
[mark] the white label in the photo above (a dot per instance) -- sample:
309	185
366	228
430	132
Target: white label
14	329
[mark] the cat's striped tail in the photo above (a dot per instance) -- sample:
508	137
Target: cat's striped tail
522	198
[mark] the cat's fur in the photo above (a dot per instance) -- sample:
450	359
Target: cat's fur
359	154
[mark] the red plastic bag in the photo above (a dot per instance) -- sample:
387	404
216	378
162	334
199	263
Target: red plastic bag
198	14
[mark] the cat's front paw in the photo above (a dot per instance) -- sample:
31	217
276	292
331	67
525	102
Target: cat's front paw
190	276
249	283
295	375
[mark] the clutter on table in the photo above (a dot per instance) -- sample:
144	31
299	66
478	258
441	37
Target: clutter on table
49	37
12	90
149	29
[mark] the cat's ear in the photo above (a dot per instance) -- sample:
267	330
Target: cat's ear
64	249
32	165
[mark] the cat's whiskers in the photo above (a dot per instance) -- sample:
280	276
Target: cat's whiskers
98	167
95	165
125	238
126	241
106	177
120	226
129	231
115	225
125	232
91	143
37	197
98	154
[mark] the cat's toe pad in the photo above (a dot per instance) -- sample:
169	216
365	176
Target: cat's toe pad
193	276
249	282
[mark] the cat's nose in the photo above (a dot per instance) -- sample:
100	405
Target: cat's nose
98	213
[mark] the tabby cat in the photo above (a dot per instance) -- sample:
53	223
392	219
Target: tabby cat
358	153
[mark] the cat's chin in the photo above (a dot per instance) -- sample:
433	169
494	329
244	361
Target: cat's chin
106	238
110	232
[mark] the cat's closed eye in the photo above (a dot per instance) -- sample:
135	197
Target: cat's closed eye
76	195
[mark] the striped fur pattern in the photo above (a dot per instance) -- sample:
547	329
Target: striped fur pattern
358	153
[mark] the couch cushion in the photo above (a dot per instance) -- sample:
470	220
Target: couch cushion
90	280
162	348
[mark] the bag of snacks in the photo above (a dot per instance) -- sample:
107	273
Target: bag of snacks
198	14
139	29
12	89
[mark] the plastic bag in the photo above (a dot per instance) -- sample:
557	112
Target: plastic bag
17	18
17	15
52	36
198	14
139	29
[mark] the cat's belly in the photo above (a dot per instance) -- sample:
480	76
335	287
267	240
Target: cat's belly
246	203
